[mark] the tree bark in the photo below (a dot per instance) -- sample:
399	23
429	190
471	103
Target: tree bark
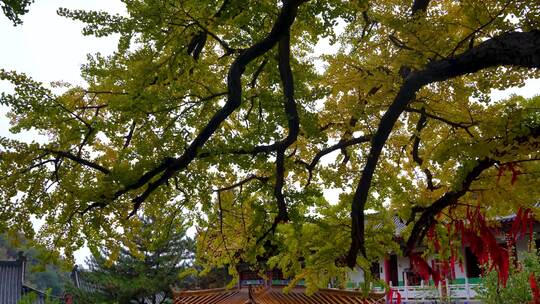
520	49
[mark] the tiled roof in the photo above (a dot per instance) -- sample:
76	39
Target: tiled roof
40	295
273	295
214	296
12	286
79	281
11	279
399	225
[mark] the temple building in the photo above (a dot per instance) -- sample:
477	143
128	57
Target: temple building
464	279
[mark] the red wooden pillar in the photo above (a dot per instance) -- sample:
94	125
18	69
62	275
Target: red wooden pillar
68	299
387	270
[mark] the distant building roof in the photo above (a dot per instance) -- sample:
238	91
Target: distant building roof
273	295
79	281
40	295
12	286
11	281
399	225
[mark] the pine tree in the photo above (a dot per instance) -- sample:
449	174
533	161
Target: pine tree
143	274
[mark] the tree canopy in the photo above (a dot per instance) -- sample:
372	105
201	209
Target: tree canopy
221	108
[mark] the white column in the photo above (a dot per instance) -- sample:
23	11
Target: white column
467	288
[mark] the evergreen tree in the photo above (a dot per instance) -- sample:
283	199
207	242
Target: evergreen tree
143	274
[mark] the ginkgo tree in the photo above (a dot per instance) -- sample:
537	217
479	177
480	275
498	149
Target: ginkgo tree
218	107
14	9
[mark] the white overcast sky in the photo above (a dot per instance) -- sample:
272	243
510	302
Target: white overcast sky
48	48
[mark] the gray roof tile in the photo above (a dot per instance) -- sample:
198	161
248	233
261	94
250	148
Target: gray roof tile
11	279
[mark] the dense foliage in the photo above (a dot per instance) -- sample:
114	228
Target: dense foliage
518	289
32	297
219	107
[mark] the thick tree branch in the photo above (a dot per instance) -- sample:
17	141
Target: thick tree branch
234	100
78	160
460	125
293	125
516	48
422	123
339	146
420	6
40	163
129	136
259	70
451	198
262	179
470	36
91	207
428	214
198	41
